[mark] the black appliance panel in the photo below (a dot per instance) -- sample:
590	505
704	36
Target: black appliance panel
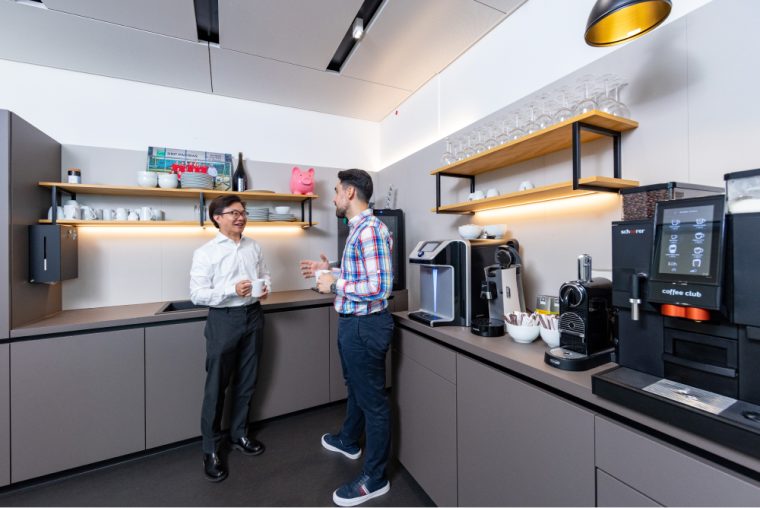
744	275
53	253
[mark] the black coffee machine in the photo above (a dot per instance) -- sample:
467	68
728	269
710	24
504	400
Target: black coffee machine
585	309
688	320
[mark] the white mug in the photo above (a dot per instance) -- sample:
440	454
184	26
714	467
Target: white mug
492	192
59	213
526	185
109	214
71	211
257	287
98	214
133	215
146	213
478	194
319	273
88	213
122	214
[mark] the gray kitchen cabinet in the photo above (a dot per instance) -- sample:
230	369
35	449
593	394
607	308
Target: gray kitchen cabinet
666	474
5	415
612	492
76	400
518	445
424	406
175	375
293	373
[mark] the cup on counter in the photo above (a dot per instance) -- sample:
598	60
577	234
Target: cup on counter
257	287
122	214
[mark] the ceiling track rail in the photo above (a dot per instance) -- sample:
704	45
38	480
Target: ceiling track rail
207	20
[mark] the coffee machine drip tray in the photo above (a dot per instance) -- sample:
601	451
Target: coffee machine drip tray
566	359
727	421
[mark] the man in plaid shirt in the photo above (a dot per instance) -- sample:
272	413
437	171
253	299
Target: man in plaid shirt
365	329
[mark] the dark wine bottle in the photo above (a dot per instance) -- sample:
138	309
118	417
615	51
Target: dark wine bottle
239	180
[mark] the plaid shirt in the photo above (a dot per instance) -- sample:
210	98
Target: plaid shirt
366	274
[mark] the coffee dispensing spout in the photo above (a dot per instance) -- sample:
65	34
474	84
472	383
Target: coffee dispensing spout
584	268
635	299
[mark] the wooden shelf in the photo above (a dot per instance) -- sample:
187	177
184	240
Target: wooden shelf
133	190
552	139
546	193
164	223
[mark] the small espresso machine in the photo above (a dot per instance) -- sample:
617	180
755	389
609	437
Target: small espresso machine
448	295
502	288
585	310
687	309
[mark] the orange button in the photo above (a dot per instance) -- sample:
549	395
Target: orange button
697	314
672	310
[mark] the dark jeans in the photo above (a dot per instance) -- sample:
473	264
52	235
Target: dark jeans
233	346
363	342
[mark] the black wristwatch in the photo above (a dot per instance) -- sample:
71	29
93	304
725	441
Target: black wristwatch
333	289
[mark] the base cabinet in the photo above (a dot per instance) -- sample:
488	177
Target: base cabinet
76	400
424	400
5	415
175	375
293	373
518	445
665	474
612	492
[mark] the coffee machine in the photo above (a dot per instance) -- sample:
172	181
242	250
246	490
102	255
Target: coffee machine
448	295
502	289
687	321
585	310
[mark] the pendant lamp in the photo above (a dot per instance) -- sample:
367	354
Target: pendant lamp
615	21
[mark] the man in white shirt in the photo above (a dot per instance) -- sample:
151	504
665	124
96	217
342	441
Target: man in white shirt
227	275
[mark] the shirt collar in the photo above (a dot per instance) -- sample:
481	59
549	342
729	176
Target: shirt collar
359	218
220	238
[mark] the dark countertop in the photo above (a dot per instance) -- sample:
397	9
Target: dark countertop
528	360
72	321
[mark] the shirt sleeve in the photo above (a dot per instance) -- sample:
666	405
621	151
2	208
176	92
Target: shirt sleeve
375	247
202	290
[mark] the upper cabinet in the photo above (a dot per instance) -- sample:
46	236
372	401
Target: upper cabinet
570	133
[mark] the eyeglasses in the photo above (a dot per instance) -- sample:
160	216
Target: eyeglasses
236	214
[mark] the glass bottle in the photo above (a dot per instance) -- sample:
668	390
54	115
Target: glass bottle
239	180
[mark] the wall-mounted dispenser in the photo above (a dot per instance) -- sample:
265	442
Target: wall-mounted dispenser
52	253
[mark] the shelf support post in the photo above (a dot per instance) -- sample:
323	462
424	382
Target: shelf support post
616	146
202	210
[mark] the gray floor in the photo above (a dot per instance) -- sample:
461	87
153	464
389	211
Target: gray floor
294	471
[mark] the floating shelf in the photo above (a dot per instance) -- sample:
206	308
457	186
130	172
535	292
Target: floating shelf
133	190
537	195
552	139
164	223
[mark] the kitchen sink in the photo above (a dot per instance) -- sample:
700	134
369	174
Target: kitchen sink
179	306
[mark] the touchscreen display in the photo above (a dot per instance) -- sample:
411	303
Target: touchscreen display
430	246
685	244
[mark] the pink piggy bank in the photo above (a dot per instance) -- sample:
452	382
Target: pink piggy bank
302	182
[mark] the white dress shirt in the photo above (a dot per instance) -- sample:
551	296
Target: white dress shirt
220	264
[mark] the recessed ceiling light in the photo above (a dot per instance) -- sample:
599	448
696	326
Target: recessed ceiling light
358	29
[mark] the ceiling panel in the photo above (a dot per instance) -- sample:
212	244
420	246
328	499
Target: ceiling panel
302	32
409	42
52	38
261	79
175	18
505	6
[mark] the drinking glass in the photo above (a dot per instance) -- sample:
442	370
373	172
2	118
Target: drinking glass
467	151
531	126
448	156
620	109
586	103
516	132
605	102
490	140
479	138
543	119
503	136
564	111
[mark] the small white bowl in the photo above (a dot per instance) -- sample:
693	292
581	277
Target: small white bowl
168	181
551	337
523	334
470	231
282	209
496	230
147	179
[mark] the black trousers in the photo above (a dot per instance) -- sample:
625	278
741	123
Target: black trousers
233	346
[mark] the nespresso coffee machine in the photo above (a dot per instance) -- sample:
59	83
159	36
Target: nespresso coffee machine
502	289
688	320
448	268
585	310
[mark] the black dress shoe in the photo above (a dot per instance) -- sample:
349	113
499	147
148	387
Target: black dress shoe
248	447
213	467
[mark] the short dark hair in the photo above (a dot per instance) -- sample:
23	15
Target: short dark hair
220	204
359	180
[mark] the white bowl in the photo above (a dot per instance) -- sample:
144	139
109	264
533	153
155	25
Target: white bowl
168	181
496	230
470	231
551	337
281	209
523	334
147	179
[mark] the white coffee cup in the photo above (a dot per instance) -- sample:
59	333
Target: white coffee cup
88	213
257	287
319	273
109	214
59	213
98	214
122	214
146	213
492	192
133	215
478	194
71	211
526	185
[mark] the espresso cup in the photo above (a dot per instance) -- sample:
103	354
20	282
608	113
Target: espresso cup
59	213
109	214
88	213
257	287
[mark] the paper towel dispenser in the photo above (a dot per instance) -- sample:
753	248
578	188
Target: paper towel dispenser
52	253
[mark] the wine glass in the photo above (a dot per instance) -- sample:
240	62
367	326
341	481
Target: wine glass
620	109
503	136
564	111
543	119
490	140
467	150
605	102
531	126
586	103
516	132
448	156
479	137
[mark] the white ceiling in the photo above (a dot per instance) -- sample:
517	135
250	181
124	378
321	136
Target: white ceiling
271	51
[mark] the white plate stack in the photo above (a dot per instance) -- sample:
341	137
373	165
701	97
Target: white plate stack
258	214
197	181
282	217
